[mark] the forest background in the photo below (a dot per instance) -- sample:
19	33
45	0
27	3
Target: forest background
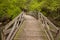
9	9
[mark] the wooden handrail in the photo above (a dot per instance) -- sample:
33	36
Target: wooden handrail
51	25
15	26
45	26
48	25
12	26
17	29
10	23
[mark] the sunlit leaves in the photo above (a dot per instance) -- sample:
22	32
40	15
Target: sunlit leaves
12	7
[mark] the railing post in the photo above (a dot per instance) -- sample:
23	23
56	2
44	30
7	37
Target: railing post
48	30
10	34
2	35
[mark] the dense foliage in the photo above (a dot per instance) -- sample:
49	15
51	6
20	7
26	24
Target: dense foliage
11	8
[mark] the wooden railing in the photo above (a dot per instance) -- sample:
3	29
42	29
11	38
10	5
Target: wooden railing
48	26
12	27
45	19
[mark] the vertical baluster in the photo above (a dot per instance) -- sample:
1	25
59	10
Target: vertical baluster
17	25
44	26
48	31
10	34
2	35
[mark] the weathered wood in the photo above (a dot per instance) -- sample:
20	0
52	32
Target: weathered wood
48	31
10	23
51	25
16	31
43	26
10	34
15	22
2	36
14	27
7	31
32	30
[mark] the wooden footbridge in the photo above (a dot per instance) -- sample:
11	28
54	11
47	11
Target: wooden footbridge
27	27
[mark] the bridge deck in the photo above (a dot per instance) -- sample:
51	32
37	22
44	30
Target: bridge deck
31	29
